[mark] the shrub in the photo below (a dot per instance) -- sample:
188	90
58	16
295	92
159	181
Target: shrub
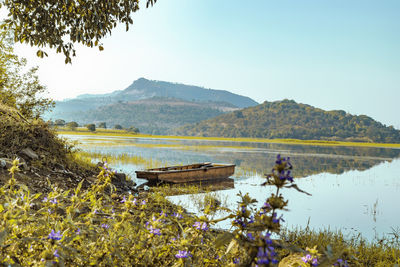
118	127
59	122
133	130
72	125
102	125
91	127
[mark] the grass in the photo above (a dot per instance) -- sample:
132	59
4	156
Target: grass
120	158
123	133
357	251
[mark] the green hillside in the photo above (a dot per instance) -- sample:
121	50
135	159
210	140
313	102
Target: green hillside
288	119
156	115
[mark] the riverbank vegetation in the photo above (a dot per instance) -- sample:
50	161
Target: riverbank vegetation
122	133
99	227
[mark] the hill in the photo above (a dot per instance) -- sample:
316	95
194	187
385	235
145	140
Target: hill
145	89
157	115
154	107
288	119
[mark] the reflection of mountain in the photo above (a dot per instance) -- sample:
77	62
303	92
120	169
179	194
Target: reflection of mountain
311	160
306	160
303	165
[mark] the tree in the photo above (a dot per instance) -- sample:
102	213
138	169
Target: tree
102	125
59	122
72	125
50	23
19	88
133	129
91	127
118	127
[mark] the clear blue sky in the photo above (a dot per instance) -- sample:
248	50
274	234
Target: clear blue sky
330	54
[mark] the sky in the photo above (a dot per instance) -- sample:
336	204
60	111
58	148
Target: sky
329	54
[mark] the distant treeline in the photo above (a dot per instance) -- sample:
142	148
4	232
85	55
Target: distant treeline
153	118
288	119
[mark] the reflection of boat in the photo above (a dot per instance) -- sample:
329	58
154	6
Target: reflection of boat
202	186
188	173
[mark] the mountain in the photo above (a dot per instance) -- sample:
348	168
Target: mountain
157	115
288	119
195	104
144	89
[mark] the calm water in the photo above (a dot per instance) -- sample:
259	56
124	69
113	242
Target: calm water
353	189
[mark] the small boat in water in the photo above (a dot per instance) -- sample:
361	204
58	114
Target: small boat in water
188	173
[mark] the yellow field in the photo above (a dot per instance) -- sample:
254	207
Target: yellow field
123	133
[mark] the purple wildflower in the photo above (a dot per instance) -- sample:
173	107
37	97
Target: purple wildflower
306	258
178	215
183	254
250	236
267	238
123	200
163	213
236	260
56	253
275	219
144	202
266	206
45	199
154	231
240	222
251	219
266	255
201	226
278	159
105	226
55	236
78	231
53	201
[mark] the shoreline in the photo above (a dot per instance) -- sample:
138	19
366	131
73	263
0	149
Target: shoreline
123	133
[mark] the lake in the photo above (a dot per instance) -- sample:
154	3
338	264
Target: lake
354	189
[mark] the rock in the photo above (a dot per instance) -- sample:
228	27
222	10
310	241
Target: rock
3	164
28	153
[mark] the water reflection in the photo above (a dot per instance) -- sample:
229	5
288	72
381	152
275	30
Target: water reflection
254	157
354	189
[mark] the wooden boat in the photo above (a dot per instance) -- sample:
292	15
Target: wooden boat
188	173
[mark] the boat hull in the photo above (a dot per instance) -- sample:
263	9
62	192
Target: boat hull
188	173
